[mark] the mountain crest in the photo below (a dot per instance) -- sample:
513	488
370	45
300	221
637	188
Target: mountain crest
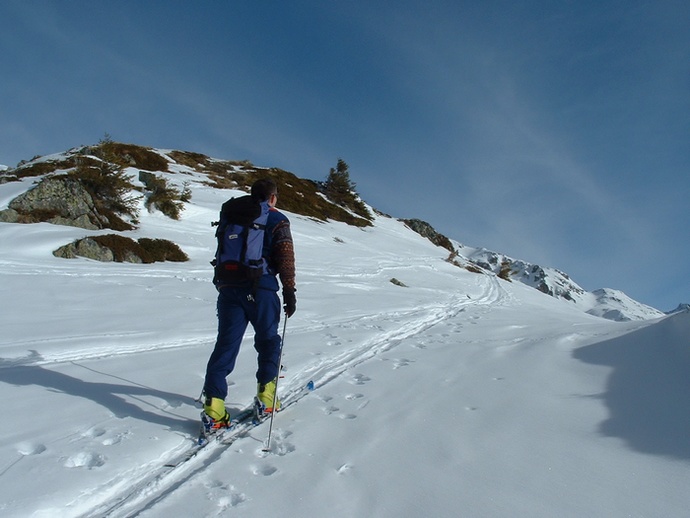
106	186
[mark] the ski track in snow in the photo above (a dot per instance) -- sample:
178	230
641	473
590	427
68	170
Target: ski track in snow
95	352
410	324
145	486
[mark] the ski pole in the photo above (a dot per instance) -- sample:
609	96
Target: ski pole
275	394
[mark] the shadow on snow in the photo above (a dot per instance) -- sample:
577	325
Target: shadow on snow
648	392
25	371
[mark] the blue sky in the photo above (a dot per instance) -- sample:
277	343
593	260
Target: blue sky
557	132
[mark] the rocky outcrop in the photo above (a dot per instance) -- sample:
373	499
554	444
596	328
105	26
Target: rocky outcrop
57	200
87	248
425	230
113	247
9	216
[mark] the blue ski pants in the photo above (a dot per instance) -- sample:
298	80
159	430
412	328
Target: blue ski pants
236	309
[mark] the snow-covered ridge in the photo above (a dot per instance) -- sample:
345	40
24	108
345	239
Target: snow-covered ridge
181	167
605	302
680	309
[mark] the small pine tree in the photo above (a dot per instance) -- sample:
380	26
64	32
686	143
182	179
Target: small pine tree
108	184
339	188
163	196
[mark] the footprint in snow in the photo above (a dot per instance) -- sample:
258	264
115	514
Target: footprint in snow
355	397
215	484
92	433
30	448
282	434
279	446
330	410
344	468
227	496
265	470
85	459
233	500
282	448
401	363
360	379
110	441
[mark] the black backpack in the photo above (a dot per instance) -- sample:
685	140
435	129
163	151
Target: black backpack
240	236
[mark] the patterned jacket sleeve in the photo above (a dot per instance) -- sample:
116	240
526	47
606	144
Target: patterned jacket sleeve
283	254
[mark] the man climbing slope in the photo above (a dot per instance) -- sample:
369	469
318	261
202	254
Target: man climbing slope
247	293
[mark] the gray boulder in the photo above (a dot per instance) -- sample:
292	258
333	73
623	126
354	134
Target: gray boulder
85	248
62	201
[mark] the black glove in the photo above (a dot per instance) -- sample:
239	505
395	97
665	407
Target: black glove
289	301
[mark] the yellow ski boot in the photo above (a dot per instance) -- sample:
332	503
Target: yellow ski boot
214	417
266	393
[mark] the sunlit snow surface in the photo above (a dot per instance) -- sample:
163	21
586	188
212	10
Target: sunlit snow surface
458	395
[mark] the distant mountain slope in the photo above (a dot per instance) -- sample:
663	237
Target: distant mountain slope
606	303
680	308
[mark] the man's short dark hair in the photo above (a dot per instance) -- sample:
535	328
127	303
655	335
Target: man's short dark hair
263	189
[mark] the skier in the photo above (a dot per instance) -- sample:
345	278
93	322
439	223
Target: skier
241	303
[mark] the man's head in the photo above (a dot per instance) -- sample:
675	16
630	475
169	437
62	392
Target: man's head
263	189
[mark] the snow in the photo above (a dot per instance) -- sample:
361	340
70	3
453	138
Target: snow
458	395
607	303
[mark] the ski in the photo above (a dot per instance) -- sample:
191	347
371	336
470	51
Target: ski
182	466
248	418
205	435
240	424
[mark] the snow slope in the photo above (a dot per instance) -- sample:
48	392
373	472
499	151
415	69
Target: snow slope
458	395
